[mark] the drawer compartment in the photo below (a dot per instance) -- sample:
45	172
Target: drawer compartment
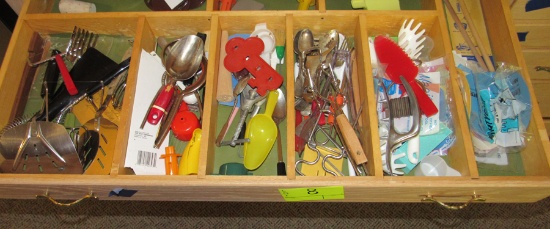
460	155
534	157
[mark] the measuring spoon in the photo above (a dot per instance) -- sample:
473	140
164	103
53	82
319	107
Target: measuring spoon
262	132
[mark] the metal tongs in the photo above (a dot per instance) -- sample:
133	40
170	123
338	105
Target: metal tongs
396	139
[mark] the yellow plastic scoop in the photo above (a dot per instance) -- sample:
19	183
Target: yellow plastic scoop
262	132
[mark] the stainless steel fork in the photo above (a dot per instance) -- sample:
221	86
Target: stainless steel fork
80	41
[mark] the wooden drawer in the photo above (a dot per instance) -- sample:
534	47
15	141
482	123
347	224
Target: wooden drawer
541	91
145	27
535	33
535	58
529	10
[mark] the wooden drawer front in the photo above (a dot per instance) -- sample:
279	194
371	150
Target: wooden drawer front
533	35
527	9
146	27
535	58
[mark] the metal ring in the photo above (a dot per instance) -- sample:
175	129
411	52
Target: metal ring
48	197
473	198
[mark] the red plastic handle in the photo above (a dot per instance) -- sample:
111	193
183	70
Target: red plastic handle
426	105
161	103
399	64
67	79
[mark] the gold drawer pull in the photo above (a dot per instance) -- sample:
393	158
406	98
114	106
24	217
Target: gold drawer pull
474	197
48	197
542	68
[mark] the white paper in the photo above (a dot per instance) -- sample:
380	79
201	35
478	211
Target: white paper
141	156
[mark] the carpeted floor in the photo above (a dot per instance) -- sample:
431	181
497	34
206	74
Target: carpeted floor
143	214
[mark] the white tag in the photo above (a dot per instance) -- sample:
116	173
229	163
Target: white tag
141	156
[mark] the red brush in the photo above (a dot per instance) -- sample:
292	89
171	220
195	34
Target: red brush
398	64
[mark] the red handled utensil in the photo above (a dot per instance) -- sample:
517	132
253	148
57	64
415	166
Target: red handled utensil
67	79
184	123
245	54
162	102
398	64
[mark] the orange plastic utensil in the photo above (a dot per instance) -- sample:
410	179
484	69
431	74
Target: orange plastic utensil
398	64
170	161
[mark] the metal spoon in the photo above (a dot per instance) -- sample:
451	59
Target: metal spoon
182	60
303	42
279	114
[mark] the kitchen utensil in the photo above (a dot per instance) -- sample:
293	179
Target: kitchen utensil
353	144
236	91
51	76
279	114
248	98
262	132
280	44
399	64
410	40
189	163
268	39
92	71
245	54
81	40
400	107
171	161
100	161
395	139
185	123
303	42
183	57
181	60
165	123
433	165
39	147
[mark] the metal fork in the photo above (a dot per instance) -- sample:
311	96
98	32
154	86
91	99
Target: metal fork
80	41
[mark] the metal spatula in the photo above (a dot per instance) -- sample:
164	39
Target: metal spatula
39	147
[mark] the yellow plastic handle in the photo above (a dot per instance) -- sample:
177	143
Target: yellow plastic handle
48	197
305	4
189	162
473	198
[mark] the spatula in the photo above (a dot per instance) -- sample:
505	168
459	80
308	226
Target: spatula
399	64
